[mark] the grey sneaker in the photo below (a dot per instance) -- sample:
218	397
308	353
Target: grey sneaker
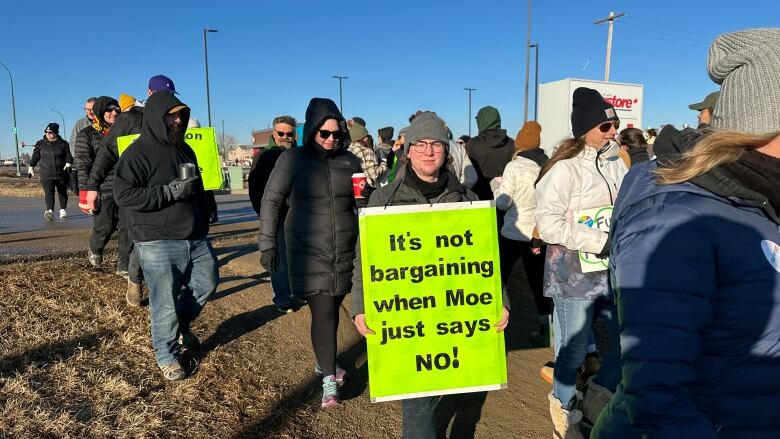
95	259
63	213
330	392
173	371
49	215
134	293
340	376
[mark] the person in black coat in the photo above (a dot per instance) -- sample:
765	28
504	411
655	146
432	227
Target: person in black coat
315	181
52	155
489	151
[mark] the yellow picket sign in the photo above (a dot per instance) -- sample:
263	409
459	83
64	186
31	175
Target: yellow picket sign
203	142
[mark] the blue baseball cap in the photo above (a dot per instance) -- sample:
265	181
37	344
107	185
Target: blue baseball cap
162	83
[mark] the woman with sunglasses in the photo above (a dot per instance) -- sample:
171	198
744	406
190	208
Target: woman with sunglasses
320	229
584	172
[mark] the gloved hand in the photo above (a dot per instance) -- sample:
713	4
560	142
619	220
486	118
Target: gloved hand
83	202
180	189
605	251
269	260
67	167
30	172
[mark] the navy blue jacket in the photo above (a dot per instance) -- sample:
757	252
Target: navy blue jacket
696	278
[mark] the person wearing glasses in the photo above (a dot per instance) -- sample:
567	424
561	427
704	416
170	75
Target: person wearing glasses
585	172
282	139
52	155
314	183
426	180
80	124
85	150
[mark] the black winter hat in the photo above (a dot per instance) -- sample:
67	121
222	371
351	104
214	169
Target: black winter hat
53	127
589	109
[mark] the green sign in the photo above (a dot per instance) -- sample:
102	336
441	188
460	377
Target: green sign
13	130
203	142
432	289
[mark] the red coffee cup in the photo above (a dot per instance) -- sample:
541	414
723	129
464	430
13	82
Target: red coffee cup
358	183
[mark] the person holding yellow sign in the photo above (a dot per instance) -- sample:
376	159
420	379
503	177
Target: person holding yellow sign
585	172
425	180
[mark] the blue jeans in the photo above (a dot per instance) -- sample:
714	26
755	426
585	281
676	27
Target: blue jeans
181	275
573	324
280	281
419	417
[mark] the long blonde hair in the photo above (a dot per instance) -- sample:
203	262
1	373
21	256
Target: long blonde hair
711	151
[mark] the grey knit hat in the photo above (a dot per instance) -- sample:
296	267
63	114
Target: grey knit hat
426	126
747	65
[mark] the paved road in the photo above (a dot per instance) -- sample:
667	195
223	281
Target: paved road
24	231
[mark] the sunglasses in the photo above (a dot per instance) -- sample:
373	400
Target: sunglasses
604	127
284	134
113	108
325	134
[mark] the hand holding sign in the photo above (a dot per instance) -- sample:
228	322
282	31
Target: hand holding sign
360	324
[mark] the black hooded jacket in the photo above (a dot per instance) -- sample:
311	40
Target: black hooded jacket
101	176
88	141
489	152
51	158
144	170
321	226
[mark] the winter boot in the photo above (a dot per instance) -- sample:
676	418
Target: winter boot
596	398
565	422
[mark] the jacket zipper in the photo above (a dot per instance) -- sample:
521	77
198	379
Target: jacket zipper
333	224
598	169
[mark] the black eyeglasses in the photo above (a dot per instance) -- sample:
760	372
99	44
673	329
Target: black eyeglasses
421	146
285	134
113	108
604	127
325	134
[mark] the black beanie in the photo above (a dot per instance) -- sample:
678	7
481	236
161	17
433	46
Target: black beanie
588	110
386	134
55	127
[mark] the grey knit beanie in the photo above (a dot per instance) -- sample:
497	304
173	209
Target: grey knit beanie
426	126
747	65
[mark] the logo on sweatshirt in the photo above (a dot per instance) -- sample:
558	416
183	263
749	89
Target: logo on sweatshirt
772	253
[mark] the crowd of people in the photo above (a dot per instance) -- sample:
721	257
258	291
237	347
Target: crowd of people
690	330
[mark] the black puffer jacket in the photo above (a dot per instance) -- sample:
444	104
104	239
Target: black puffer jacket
489	152
51	158
101	177
321	226
88	141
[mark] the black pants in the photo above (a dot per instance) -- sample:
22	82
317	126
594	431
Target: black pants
107	221
324	326
49	185
517	255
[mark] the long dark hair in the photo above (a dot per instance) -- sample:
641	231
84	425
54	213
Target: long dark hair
569	148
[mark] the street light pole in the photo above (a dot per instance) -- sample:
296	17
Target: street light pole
13	111
61	117
527	62
469	90
536	82
341	97
206	58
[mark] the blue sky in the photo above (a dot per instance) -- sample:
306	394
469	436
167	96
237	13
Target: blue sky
270	58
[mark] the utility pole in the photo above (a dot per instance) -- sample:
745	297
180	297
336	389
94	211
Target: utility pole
611	19
527	62
206	59
469	90
341	96
536	81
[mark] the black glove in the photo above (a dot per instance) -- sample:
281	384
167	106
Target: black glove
537	243
605	251
366	194
390	159
269	260
180	189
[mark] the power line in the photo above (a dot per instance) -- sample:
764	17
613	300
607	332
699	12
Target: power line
652	29
657	37
709	37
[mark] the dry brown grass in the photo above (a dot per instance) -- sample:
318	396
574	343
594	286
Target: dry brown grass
77	362
12	186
